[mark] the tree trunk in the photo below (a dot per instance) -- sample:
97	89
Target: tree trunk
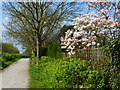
38	47
34	52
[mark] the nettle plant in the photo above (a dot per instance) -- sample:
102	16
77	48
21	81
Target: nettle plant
88	30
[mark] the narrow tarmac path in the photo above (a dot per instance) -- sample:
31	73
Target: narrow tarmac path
16	75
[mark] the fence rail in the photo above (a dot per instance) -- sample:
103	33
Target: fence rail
88	54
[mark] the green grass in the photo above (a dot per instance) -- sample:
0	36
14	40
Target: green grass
36	84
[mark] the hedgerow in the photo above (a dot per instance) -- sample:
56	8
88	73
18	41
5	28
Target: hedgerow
65	73
7	59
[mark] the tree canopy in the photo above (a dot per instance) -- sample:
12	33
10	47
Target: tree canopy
9	48
32	23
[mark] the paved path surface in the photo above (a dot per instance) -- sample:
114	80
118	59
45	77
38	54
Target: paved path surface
16	75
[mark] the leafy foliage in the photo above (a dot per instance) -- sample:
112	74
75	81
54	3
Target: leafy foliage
54	51
112	51
24	56
43	51
9	48
7	59
65	73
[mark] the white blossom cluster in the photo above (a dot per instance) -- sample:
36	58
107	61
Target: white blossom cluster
88	28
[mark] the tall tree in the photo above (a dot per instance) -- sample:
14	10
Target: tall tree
32	23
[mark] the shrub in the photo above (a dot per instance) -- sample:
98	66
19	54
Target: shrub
110	63
24	56
112	51
8	59
54	51
43	51
9	48
66	73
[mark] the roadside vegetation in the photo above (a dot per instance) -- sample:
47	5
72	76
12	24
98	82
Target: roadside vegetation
9	55
73	44
7	59
67	72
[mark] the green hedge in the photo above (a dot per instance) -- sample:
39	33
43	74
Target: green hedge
43	51
65	73
7	59
110	63
54	51
112	52
24	56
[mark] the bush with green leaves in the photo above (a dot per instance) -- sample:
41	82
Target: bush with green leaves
24	56
112	52
43	51
54	51
7	59
9	48
65	73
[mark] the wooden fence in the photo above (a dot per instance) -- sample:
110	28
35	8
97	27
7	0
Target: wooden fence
88	54
99	60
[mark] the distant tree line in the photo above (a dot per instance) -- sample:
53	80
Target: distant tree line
8	48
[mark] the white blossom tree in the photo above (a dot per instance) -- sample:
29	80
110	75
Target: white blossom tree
89	29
